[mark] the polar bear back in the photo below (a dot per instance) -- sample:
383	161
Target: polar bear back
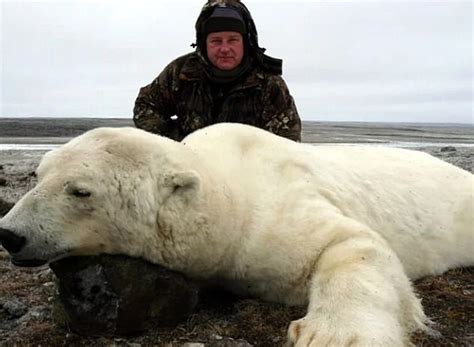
403	195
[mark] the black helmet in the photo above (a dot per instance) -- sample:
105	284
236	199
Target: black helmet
249	33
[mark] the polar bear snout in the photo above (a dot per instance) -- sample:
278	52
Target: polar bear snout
19	248
11	242
15	244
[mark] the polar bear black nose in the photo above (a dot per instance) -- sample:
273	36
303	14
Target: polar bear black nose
11	242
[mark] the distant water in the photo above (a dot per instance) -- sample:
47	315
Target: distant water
48	147
401	144
27	147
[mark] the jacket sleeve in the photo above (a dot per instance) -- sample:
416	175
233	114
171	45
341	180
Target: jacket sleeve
280	115
154	105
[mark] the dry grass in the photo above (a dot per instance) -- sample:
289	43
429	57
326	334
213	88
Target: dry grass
447	299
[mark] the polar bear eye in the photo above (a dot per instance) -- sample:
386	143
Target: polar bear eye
77	192
80	193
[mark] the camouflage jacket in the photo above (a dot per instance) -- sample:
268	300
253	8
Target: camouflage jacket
182	99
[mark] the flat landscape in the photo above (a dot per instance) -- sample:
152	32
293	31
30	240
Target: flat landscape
313	132
25	294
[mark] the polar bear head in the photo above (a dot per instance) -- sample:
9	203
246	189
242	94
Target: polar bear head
106	191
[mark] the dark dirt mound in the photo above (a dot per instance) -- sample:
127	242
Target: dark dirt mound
447	299
5	206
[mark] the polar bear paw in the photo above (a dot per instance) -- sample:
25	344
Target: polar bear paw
310	332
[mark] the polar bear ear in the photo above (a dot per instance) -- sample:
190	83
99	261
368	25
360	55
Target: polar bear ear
181	184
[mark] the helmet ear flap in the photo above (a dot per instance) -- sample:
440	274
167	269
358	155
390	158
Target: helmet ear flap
251	35
206	12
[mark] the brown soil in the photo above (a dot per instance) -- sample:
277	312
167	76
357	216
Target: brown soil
447	299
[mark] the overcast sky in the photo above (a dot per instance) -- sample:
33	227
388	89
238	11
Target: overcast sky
384	60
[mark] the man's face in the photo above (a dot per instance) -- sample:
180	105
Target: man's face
225	49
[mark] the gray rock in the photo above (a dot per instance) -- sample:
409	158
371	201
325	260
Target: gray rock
448	149
36	313
222	342
229	342
119	295
4	255
15	308
3	182
133	344
44	275
5	206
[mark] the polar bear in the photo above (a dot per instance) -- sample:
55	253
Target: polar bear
341	229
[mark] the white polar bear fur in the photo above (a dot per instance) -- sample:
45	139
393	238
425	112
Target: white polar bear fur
338	228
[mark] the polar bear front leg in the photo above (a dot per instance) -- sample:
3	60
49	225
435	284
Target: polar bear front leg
359	296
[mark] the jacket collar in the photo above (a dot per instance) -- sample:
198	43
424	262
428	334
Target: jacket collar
192	70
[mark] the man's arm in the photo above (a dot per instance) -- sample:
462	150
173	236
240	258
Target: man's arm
280	115
154	106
